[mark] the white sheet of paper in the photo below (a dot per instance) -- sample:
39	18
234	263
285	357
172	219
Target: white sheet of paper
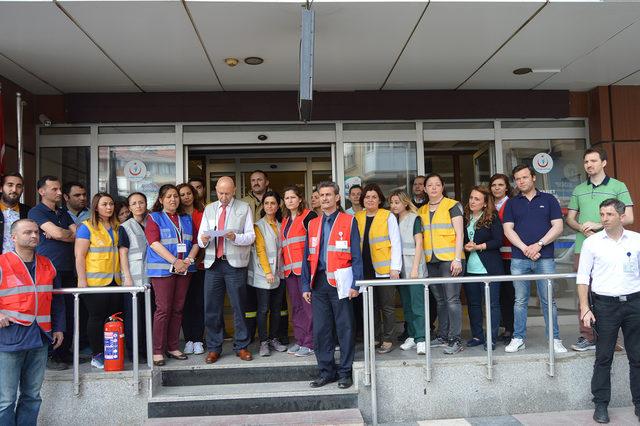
216	233
344	279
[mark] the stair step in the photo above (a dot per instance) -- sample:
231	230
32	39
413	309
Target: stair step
351	416
238	375
248	398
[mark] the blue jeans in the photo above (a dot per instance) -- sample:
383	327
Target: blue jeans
523	290
24	371
475	299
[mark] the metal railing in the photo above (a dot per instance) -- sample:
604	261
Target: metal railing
369	328
76	292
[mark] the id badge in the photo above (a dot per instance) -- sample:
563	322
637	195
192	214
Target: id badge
342	244
630	268
182	248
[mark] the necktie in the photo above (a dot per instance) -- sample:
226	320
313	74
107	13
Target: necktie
221	220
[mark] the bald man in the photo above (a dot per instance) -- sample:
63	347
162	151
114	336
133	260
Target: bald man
226	259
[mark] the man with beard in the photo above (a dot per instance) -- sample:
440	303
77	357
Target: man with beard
75	197
12	209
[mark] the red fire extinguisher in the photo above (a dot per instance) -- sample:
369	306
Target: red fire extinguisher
114	343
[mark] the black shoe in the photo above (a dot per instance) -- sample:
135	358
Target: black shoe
56	365
637	411
321	381
345	382
601	415
403	336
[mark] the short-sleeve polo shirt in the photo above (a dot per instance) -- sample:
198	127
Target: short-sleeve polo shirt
586	199
532	220
59	252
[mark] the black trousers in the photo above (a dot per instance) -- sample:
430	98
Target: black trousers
268	313
67	279
100	307
193	311
332	317
611	315
507	300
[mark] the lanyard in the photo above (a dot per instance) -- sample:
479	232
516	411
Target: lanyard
177	228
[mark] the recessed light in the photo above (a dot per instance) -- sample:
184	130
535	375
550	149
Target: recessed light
232	62
253	60
522	71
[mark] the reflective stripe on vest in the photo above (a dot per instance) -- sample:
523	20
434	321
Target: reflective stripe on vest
157	266
22	298
379	241
336	258
439	236
102	263
293	244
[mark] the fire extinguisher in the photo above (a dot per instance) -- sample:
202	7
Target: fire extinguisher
114	343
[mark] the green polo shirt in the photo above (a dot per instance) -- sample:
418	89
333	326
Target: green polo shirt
586	199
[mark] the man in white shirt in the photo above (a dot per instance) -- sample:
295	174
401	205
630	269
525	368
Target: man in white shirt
610	259
226	259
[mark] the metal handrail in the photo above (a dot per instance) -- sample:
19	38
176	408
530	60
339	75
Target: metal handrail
134	313
369	329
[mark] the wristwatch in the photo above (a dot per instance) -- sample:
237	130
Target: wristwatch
191	260
541	243
457	260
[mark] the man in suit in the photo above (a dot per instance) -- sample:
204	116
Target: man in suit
11	207
226	259
333	243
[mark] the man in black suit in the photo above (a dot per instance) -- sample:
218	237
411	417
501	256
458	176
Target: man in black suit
11	207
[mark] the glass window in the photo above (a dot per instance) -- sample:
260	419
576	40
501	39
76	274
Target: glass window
68	163
392	165
126	169
566	173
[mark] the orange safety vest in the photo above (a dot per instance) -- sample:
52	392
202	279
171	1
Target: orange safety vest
21	299
293	243
338	247
505	250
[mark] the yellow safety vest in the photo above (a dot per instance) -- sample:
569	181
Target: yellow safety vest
102	263
379	241
439	237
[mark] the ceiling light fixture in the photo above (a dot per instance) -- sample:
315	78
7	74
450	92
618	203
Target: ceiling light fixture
523	71
253	60
232	62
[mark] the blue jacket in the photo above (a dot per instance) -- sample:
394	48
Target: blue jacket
156	265
492	236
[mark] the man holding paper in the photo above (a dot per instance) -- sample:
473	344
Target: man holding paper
334	263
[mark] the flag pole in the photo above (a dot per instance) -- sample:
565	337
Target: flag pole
19	106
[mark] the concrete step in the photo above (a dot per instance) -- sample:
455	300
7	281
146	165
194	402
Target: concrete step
237	375
351	416
248	398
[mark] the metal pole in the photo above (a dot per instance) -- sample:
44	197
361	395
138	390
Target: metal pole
76	344
427	331
372	357
147	325
489	339
134	313
19	105
367	340
552	360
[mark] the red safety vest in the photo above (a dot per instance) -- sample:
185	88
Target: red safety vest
338	247
505	250
20	297
293	243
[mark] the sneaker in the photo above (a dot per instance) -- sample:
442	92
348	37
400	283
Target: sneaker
453	348
583	345
198	348
385	348
293	349
277	346
264	348
188	347
98	361
619	347
438	342
558	347
409	343
337	348
515	345
304	351
421	348
474	342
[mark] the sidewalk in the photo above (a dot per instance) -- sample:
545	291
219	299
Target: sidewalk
619	416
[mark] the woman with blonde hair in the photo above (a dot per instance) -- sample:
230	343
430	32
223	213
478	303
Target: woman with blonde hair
413	266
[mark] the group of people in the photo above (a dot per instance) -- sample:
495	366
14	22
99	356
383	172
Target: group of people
258	249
